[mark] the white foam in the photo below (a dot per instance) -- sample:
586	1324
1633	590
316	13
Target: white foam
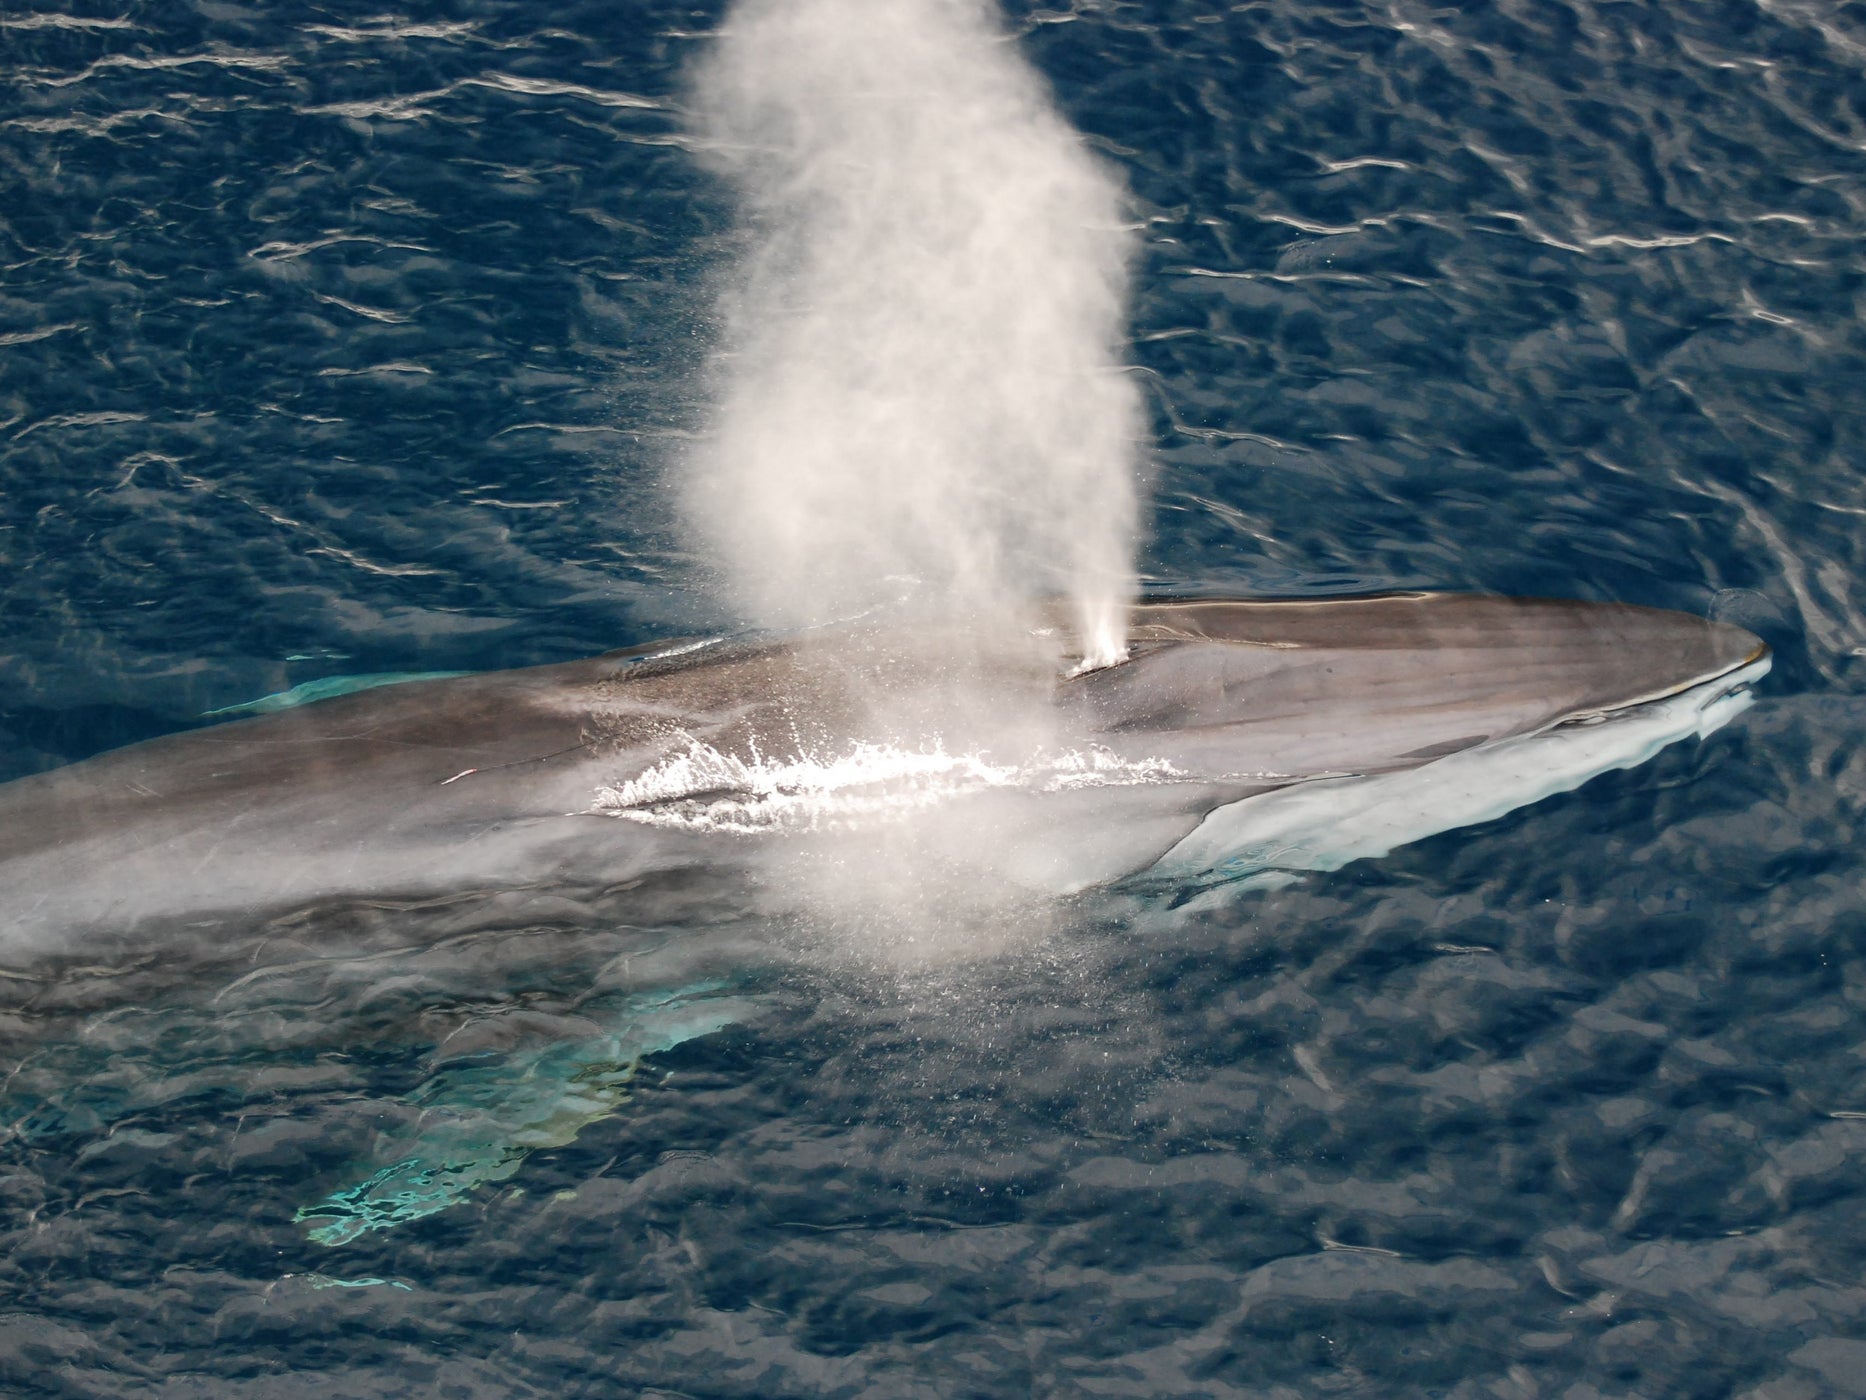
703	789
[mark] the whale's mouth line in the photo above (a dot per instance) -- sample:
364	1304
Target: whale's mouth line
1760	654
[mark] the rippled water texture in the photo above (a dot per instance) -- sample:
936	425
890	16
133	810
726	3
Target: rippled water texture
335	342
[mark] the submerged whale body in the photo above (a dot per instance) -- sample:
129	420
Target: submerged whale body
531	880
1239	738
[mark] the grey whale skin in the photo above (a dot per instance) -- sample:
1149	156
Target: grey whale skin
487	786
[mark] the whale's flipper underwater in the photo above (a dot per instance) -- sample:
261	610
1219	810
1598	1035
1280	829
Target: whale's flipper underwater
655	790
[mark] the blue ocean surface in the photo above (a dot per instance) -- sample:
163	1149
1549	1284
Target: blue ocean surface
342	342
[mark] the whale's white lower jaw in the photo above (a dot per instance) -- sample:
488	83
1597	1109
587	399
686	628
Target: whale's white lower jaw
1323	824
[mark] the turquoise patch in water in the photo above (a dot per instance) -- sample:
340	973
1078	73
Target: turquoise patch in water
480	1121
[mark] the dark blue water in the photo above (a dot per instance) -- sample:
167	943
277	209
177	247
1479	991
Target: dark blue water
335	341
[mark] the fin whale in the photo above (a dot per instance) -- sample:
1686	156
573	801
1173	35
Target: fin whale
539	875
1238	737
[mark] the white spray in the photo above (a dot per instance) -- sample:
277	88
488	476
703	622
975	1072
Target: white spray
919	397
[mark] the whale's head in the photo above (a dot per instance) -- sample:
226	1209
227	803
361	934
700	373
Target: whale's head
1301	688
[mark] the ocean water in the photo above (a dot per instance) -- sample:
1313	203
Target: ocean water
336	341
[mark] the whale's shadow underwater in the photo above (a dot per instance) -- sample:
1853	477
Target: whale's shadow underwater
609	835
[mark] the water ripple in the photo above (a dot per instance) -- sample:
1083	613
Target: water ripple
338	342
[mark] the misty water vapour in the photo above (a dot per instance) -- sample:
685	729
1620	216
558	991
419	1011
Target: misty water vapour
919	396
